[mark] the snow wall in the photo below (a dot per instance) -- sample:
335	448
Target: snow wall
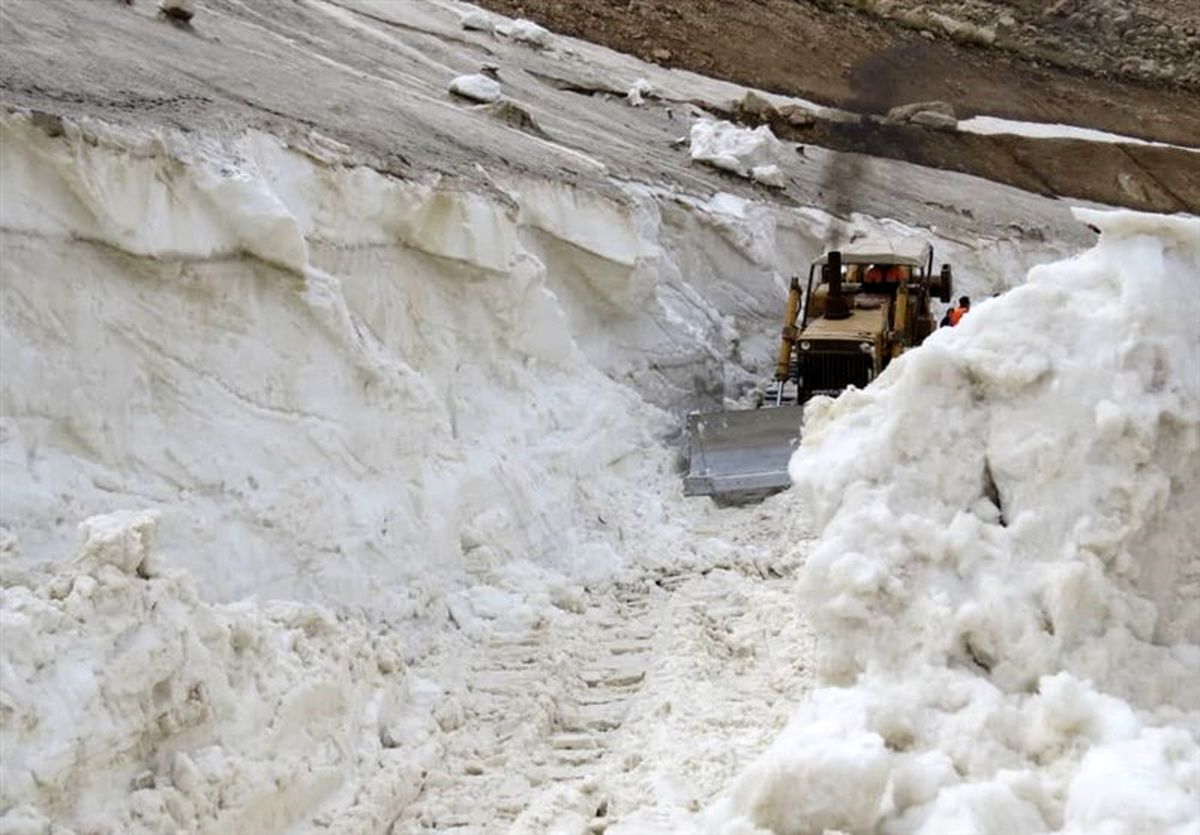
1007	577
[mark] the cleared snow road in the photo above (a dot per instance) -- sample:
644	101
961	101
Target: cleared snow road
630	714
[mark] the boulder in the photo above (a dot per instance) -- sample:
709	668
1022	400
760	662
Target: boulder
181	10
930	114
906	112
756	106
796	116
932	119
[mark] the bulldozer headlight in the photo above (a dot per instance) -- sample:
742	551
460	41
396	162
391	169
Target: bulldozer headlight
804	346
865	347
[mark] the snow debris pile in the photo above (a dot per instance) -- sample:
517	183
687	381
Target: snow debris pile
477	87
1006	580
130	705
750	153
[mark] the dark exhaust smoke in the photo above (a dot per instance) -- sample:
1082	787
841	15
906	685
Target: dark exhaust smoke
875	88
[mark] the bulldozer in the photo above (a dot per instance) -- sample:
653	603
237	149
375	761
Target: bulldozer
862	306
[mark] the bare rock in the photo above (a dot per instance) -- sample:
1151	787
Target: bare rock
757	107
796	116
906	112
515	116
932	119
178	10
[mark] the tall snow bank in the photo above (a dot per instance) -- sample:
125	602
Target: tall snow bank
129	705
1008	567
357	387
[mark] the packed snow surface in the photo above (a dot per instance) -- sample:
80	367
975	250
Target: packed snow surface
1008	567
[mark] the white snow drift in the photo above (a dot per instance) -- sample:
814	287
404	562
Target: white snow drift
1006	580
132	706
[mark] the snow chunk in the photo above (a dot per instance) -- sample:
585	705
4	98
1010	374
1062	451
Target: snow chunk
820	775
768	175
527	32
639	91
732	148
121	539
476	87
478	21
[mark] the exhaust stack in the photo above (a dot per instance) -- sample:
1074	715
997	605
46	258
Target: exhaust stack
836	306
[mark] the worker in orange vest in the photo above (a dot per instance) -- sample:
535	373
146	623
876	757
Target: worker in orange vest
954	315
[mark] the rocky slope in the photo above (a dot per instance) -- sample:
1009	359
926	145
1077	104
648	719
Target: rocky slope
1118	65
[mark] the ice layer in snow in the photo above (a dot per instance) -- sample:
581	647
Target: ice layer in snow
1006	580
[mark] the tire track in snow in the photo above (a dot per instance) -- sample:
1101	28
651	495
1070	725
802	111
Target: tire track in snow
573	724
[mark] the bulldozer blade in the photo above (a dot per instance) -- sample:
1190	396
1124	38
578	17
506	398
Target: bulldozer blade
742	452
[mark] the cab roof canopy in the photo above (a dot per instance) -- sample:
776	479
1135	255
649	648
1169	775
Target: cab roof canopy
912	252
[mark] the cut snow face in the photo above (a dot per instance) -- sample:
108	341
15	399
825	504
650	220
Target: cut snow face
1006	578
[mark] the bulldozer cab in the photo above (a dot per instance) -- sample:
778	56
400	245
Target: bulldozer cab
895	276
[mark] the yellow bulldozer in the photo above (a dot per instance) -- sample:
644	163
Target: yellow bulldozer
862	305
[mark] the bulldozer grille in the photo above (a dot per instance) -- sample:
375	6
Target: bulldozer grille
829	373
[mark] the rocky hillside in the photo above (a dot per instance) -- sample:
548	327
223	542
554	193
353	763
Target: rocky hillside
1126	66
1145	40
